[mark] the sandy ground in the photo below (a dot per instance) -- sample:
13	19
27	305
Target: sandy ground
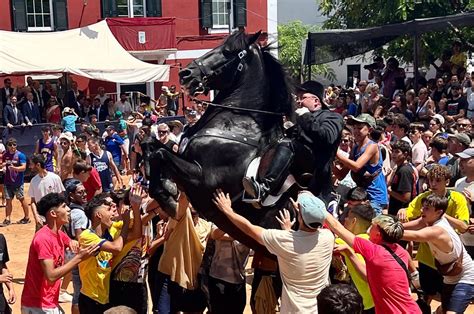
18	240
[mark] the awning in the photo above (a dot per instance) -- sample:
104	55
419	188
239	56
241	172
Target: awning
336	44
90	51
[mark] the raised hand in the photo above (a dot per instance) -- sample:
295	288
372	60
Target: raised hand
285	221
222	201
86	252
136	196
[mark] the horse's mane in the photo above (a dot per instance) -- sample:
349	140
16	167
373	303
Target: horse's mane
280	83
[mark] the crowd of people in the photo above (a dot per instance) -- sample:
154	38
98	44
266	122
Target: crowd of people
401	166
47	102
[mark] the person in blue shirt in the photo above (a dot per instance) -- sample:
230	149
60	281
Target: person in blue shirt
69	120
352	108
115	145
439	150
365	162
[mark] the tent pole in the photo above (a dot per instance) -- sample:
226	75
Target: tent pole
416	53
309	51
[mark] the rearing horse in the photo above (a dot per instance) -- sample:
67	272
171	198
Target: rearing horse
246	117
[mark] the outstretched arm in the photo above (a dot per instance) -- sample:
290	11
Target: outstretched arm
224	204
339	229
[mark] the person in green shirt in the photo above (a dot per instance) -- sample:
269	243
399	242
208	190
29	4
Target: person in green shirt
457	215
358	220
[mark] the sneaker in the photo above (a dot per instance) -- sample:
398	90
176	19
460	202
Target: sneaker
24	221
6	222
65	297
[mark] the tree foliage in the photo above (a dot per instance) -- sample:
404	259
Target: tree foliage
369	13
290	37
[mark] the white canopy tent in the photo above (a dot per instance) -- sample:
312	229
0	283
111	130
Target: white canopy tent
90	51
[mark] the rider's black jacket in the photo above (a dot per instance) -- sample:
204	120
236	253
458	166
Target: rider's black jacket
321	131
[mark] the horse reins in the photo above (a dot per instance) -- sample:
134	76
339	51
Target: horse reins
230	107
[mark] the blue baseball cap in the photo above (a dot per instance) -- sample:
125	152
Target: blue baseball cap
312	209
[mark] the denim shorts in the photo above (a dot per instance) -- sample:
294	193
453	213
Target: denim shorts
12	191
76	280
456	298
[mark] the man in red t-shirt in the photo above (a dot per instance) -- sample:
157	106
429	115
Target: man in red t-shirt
89	177
388	281
46	258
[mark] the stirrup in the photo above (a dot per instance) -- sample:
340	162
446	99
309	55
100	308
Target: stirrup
252	190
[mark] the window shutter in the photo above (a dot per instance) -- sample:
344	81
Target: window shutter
109	8
19	16
153	8
206	13
60	15
240	13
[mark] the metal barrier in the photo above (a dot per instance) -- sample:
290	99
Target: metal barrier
27	136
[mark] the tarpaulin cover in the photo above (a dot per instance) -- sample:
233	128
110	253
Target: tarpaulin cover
91	51
159	32
336	44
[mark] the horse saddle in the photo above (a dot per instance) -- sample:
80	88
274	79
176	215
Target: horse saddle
252	171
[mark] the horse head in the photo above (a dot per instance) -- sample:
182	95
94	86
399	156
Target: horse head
219	68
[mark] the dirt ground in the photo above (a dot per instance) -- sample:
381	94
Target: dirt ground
19	238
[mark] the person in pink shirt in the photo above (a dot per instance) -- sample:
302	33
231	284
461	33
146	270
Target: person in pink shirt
388	281
46	258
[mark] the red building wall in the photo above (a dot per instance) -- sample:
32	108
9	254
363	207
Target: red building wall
80	15
5	16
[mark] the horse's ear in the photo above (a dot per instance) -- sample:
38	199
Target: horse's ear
253	38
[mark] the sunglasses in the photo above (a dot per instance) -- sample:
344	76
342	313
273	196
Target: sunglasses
162	132
345	141
63	143
79	141
11	144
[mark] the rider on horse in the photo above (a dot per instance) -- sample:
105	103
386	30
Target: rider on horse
318	132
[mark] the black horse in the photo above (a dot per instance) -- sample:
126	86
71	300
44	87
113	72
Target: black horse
244	120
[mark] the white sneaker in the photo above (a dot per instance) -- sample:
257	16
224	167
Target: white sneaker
65	297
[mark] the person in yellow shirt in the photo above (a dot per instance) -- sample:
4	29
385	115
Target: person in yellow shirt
457	215
95	271
358	220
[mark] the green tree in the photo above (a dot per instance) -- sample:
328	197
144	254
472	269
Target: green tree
290	38
370	13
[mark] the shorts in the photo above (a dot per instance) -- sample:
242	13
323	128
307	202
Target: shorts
431	281
456	297
131	294
12	191
126	145
76	280
37	310
90	306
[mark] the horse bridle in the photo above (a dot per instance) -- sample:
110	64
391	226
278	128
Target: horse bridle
209	74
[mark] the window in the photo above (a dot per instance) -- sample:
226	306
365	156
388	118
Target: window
220	13
131	8
215	14
39	15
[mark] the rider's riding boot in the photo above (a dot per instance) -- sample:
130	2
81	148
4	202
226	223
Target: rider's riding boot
275	176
